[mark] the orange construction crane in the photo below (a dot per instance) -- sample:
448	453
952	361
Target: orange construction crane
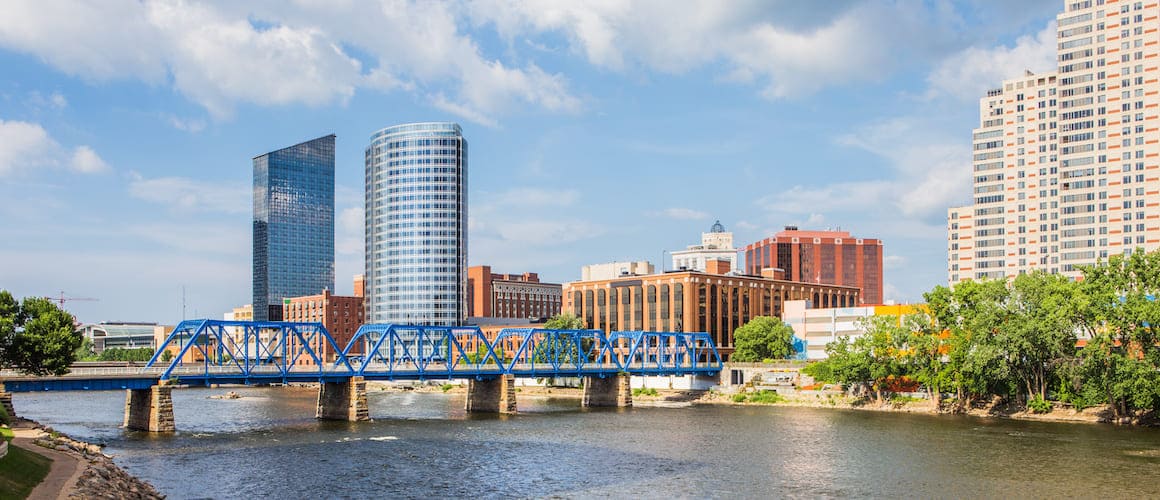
62	299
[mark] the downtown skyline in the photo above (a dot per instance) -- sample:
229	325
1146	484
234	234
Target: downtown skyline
596	136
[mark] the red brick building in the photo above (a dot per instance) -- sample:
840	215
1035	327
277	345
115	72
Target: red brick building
494	295
342	316
825	257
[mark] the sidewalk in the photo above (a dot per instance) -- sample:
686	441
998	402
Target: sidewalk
66	467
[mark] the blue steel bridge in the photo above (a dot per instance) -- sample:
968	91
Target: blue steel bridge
245	352
211	352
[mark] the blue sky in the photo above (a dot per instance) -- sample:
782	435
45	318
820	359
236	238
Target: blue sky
598	131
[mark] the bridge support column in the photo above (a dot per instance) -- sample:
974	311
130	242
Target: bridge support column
343	400
613	391
6	402
150	409
496	395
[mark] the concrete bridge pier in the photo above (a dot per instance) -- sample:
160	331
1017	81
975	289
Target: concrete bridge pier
150	409
615	391
343	400
495	395
6	402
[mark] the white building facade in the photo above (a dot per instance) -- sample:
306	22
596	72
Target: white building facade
416	225
1066	167
717	244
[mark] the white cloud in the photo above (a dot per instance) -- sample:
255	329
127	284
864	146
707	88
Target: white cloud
191	125
52	101
184	194
778	46
275	53
86	161
680	214
350	227
529	197
26	146
968	74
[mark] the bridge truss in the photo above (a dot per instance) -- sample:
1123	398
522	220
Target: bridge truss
213	351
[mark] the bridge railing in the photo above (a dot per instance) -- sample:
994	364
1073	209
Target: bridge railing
249	349
270	349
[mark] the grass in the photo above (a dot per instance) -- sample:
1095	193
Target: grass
446	387
21	471
760	397
644	392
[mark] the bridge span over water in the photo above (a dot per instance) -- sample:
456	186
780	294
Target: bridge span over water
212	352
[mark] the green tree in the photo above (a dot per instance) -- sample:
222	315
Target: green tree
36	337
1041	332
972	315
762	338
564	321
1121	360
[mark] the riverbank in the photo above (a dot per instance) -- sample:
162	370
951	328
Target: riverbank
812	399
79	470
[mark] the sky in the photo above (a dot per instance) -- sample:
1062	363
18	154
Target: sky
598	131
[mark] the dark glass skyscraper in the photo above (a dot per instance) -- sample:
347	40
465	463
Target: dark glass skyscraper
293	224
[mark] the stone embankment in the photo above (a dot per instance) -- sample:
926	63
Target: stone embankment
100	478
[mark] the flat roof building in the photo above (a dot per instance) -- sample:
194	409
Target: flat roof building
826	257
494	295
692	301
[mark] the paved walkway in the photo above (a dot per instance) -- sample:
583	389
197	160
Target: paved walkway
62	477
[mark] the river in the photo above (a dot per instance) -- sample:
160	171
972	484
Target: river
422	445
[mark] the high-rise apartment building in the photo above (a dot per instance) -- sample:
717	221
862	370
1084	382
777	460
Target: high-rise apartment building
1065	163
293	224
829	257
416	225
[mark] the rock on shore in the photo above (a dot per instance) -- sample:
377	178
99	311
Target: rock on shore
101	478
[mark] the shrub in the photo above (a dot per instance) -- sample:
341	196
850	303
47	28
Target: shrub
446	387
739	397
766	397
1039	405
4	417
644	391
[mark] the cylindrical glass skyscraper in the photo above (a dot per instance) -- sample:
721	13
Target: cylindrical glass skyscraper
416	225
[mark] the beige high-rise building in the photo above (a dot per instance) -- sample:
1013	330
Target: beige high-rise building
1067	163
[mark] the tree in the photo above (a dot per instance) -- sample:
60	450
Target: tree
36	337
564	321
1122	358
1040	334
762	338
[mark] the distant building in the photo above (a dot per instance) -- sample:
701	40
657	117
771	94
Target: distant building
492	295
717	244
243	313
341	316
826	257
691	301
612	270
416	225
123	335
293	224
819	327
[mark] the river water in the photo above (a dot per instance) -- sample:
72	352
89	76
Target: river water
422	445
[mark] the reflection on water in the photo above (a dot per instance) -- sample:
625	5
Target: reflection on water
422	445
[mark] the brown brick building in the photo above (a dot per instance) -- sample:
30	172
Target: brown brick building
494	295
342	316
826	257
692	301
